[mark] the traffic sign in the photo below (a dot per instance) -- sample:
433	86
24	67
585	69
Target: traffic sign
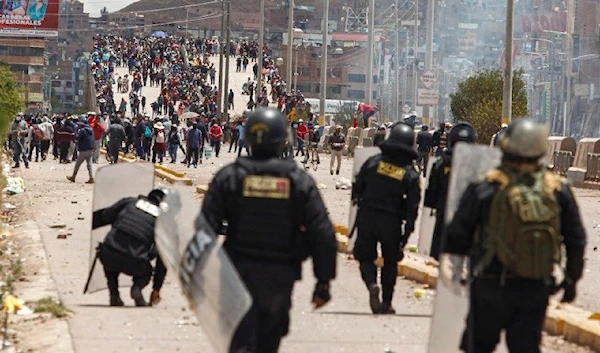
406	108
428	96
428	78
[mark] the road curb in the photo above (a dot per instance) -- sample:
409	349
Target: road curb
164	173
40	283
572	323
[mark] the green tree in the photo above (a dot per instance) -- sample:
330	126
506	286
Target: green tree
478	101
11	98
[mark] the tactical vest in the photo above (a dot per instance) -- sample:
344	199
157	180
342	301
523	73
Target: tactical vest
385	186
524	224
267	226
136	221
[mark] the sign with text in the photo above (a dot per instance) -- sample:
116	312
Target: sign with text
534	23
428	96
428	78
33	18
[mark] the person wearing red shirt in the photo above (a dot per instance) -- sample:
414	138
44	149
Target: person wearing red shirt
301	132
215	133
98	129
367	112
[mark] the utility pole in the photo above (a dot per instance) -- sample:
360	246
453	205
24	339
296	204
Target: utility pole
227	51
261	43
416	49
508	64
569	37
220	96
396	94
370	45
323	89
288	80
429	50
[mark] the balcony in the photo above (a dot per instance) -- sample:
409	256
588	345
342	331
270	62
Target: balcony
22	60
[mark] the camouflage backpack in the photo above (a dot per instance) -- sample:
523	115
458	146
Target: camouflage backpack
524	225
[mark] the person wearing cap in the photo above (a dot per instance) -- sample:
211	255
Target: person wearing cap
159	139
301	132
439	139
85	144
337	140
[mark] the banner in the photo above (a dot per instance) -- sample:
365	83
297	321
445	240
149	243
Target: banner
37	18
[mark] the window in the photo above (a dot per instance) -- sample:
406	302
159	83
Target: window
356	94
55	83
20	69
35	87
335	72
3	50
303	87
334	89
360	78
69	97
69	84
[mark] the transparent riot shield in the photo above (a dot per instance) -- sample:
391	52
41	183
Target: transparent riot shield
210	282
469	164
360	157
113	183
427	217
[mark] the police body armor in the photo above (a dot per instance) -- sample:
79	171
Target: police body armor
133	231
267	227
385	185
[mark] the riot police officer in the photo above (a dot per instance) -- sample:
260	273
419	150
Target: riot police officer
512	224
387	191
437	189
276	218
129	246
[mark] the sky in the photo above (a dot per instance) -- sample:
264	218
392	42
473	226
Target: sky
93	7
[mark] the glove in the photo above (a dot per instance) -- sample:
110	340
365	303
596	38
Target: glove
569	290
321	295
154	297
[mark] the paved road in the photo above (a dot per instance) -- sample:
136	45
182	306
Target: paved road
343	326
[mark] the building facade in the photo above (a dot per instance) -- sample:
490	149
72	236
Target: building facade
26	59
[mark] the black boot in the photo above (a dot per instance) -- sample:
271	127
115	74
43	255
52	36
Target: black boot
374	301
136	295
387	309
115	300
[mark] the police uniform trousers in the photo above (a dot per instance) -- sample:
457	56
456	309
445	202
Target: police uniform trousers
518	306
115	263
436	240
267	321
378	227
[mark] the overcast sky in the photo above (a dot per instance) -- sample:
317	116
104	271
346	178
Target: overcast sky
93	6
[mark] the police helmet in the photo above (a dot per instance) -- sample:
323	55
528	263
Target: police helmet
524	140
402	134
461	132
266	132
157	195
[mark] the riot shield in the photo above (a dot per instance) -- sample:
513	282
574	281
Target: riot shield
469	164
428	218
360	157
113	183
209	280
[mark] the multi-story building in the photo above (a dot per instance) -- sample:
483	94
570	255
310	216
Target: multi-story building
67	85
26	58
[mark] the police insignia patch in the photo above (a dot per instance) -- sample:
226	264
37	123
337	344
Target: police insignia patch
390	170
147	207
266	187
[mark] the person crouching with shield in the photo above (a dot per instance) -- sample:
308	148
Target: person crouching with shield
129	246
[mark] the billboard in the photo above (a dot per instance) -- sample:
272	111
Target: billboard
34	18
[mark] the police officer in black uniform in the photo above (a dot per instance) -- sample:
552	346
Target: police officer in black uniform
276	219
387	191
129	245
437	189
504	295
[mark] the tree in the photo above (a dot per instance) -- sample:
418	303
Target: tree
478	101
11	98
